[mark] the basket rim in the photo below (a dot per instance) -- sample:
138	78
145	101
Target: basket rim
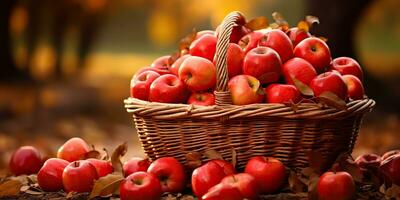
169	111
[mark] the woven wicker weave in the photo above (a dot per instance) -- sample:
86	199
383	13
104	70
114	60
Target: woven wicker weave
257	129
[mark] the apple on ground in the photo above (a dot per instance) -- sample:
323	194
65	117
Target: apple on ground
103	167
315	51
140	84
162	64
336	186
204	47
390	168
202	99
73	149
140	186
170	173
245	89
223	192
168	89
135	164
50	175
245	183
262	63
297	35
198	73
330	81
269	173
282	93
355	89
278	41
346	65
177	64
209	175
25	160
300	69
250	41
79	176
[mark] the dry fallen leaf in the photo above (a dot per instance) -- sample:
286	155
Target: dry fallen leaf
10	187
193	160
185	42
295	184
106	185
116	156
257	23
332	100
92	154
213	154
303	88
234	157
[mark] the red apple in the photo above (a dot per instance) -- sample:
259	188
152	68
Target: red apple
282	93
140	186
235	56
103	167
263	63
330	81
135	164
162	64
297	35
355	89
245	89
278	41
250	41
79	176
140	84
209	175
198	73
202	99
168	89
73	149
390	168
145	69
245	183
170	173
204	47
223	192
50	175
346	65
390	153
299	69
368	161
25	160
336	186
177	64
315	51
268	172
204	32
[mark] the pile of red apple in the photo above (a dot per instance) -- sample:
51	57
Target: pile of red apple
274	64
215	179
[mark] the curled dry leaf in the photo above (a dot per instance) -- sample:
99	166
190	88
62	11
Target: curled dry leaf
295	184
392	192
212	154
303	88
257	23
116	156
92	154
106	185
10	187
234	157
302	25
311	20
280	21
193	160
331	99
106	155
172	58
185	42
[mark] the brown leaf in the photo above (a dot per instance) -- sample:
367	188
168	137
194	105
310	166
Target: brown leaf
106	185
302	87
10	187
257	23
212	154
315	159
295	184
312	187
173	58
311	20
32	192
106	155
332	100
323	39
302	25
119	152
92	154
32	179
193	160
234	157
185	42
280	21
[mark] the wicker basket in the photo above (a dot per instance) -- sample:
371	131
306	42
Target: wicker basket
257	129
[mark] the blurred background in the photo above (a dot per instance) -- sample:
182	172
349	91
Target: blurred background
65	65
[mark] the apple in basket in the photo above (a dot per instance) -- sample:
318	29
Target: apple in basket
162	64
278	41
300	69
202	99
282	93
204	47
346	65
355	89
168	89
297	35
245	89
330	81
234	60
315	51
199	74
140	84
250	41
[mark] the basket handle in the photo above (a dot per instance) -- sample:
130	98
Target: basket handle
222	94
